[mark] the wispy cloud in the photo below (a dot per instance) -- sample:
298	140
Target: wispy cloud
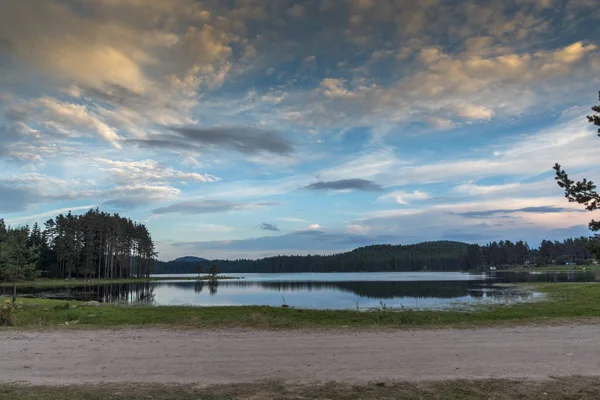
401	197
244	140
209	207
540	210
51	213
293	219
346	184
268	227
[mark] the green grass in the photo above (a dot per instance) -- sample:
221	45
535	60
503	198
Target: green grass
563	301
50	283
556	268
494	389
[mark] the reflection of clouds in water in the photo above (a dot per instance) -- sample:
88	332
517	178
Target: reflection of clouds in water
326	294
339	295
366	289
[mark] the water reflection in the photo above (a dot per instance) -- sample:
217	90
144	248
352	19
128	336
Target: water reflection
375	290
130	293
550	277
394	290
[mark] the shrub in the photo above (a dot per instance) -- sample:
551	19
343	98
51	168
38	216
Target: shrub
7	317
63	306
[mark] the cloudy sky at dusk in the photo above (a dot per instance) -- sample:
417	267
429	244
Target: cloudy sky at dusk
254	127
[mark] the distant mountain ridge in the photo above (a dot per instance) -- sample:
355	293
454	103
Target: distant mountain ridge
430	256
189	259
441	255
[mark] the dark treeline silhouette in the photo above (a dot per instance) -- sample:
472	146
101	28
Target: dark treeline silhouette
427	256
93	245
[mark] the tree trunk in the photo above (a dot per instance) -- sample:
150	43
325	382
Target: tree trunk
14	296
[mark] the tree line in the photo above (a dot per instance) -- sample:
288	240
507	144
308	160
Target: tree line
102	245
92	245
505	252
427	256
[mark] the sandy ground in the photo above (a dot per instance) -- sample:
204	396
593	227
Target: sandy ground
212	357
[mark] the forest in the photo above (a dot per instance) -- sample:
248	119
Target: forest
92	245
426	256
102	245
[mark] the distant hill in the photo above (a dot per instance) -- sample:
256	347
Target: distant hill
427	256
441	255
181	265
189	259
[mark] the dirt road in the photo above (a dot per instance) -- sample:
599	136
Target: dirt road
210	357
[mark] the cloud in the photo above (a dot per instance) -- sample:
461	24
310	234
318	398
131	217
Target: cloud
245	140
314	227
61	119
451	88
268	227
292	219
19	192
401	197
209	207
117	43
547	186
296	11
471	112
147	171
131	196
36	151
52	213
358	229
346	184
523	157
117	184
540	209
15	198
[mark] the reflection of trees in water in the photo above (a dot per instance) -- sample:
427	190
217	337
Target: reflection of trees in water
550	277
144	292
126	293
213	284
373	289
198	286
376	290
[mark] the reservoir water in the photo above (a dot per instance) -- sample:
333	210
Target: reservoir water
417	290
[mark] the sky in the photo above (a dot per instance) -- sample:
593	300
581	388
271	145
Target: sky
248	128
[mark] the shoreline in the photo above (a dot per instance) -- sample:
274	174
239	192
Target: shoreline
93	282
54	282
562	302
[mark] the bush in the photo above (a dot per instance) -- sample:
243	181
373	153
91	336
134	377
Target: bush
63	306
7	317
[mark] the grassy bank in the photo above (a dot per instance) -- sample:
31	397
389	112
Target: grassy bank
91	282
555	389
556	268
563	301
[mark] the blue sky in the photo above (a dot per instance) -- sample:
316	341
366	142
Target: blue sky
252	128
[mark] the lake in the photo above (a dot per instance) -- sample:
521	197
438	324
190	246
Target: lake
417	290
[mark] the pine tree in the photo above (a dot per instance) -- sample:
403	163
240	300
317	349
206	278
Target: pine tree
18	258
584	191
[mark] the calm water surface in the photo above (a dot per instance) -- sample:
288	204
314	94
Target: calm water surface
419	290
